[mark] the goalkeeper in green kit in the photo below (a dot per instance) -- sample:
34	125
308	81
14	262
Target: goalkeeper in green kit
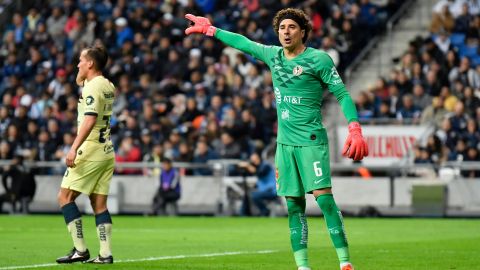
300	75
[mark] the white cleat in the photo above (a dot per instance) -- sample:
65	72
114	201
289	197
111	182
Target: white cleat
304	268
346	266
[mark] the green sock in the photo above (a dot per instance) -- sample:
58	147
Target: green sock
76	231
333	218
298	230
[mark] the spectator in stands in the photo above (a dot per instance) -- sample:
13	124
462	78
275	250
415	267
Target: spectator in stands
432	84
168	190
128	152
472	133
436	149
123	31
55	23
442	20
443	41
472	156
5	120
20	188
447	135
408	112
463	73
56	87
470	101
229	148
434	113
365	107
421	156
459	153
154	156
449	100
420	99
393	98
462	21
146	142
203	154
459	119
383	112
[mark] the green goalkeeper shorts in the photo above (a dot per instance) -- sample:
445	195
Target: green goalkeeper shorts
302	169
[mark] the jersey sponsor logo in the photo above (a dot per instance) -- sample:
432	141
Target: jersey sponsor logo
297	70
285	114
89	100
336	77
292	99
278	95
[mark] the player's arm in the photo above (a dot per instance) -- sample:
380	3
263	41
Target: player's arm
355	146
202	25
83	132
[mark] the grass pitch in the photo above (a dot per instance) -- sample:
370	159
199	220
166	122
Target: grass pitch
35	241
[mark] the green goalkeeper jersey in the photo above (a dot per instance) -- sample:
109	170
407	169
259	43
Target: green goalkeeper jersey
299	84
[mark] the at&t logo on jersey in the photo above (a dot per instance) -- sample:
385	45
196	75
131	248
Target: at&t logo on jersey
297	70
292	99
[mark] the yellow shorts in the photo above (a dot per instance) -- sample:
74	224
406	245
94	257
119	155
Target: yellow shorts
89	176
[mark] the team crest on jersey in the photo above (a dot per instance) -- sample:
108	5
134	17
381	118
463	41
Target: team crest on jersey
297	70
89	100
285	114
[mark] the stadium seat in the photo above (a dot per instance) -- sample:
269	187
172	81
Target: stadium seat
468	51
475	60
457	39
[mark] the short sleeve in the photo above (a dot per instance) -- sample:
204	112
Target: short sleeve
92	101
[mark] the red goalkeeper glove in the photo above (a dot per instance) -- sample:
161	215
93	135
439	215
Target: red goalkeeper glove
355	145
200	25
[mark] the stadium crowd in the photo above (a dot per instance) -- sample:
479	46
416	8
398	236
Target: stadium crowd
436	81
189	99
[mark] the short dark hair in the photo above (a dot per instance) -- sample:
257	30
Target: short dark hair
294	14
99	56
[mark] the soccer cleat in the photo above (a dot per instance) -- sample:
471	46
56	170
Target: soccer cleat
74	256
101	260
304	268
346	266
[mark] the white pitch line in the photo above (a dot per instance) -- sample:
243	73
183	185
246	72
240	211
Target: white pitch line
153	258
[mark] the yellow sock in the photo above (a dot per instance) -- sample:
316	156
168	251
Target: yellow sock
104	232
76	231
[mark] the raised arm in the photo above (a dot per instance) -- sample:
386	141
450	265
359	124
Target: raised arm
202	25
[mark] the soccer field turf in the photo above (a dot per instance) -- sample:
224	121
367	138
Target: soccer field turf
243	243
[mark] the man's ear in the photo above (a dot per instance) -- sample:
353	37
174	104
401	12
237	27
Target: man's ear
90	64
303	33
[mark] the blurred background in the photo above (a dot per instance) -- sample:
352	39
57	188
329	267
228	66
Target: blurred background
206	111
